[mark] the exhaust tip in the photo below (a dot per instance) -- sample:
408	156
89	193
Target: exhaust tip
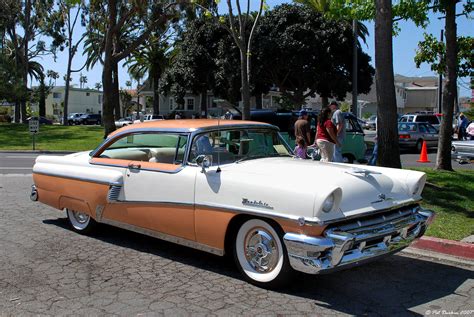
34	193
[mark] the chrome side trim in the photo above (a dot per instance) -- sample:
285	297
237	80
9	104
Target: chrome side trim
84	179
338	249
177	170
163	236
114	192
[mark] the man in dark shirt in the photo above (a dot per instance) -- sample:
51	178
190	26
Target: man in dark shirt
302	128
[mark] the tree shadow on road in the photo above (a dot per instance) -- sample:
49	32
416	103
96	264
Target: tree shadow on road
391	286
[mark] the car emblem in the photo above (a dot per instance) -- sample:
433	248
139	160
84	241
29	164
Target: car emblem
382	196
256	203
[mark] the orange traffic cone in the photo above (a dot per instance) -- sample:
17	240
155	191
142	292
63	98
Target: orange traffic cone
424	154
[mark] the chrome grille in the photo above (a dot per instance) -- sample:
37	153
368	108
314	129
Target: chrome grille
114	192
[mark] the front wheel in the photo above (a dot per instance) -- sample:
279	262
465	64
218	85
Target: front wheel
260	254
80	222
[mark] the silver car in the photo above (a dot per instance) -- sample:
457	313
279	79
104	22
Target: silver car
412	134
462	151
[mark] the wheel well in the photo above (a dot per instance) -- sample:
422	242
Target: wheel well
235	224
349	156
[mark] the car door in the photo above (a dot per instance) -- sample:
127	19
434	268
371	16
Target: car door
432	135
158	191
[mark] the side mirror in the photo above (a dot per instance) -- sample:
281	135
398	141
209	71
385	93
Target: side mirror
204	161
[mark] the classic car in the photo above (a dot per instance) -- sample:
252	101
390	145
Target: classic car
234	187
462	151
412	135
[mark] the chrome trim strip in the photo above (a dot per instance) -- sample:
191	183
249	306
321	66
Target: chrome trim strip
142	202
177	170
164	236
84	179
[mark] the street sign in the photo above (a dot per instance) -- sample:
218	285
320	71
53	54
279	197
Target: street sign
34	126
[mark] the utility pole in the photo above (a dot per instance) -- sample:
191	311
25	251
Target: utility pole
354	67
440	81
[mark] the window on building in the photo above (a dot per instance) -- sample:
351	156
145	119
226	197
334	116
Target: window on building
88	93
189	103
56	95
171	103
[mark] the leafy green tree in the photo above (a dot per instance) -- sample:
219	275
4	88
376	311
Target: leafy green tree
67	16
138	19
241	27
24	23
303	53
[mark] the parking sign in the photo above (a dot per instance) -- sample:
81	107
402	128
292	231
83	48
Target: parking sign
34	126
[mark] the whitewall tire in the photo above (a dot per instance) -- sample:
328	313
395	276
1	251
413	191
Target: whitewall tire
80	221
260	254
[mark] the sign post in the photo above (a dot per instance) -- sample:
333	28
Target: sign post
34	129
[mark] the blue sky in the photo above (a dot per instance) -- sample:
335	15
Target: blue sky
404	46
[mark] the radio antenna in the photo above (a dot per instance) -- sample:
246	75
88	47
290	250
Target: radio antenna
218	170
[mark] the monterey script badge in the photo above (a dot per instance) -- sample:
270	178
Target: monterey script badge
256	203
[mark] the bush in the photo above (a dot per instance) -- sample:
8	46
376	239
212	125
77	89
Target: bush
5	118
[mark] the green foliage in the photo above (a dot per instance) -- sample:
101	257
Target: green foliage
449	194
367	115
303	53
51	137
431	48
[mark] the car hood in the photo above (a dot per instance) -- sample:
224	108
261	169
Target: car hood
299	187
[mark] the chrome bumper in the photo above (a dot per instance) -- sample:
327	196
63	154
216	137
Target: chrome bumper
352	243
34	193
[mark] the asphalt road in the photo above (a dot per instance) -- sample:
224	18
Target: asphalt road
47	269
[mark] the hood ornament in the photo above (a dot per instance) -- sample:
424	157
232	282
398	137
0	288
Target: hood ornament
256	203
382	197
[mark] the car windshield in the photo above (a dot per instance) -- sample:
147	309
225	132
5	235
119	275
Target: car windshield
232	146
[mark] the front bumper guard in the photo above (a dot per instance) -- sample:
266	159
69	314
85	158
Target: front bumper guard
340	249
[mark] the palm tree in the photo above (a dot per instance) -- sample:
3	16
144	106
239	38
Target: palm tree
98	86
152	58
82	80
52	75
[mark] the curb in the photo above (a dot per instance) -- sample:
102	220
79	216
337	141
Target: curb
37	152
455	248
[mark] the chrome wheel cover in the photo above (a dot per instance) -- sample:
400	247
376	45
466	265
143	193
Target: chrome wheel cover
79	220
261	250
80	217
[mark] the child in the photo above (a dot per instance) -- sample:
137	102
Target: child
300	149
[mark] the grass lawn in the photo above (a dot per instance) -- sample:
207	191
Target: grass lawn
451	196
50	137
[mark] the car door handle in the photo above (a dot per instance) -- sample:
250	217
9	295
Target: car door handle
134	166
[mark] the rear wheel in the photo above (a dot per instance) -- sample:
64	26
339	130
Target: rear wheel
260	254
419	145
347	158
80	222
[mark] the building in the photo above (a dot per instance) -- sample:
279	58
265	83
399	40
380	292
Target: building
82	100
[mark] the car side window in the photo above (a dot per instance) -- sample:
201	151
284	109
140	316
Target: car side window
422	128
165	148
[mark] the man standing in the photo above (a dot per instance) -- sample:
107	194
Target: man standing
302	128
338	120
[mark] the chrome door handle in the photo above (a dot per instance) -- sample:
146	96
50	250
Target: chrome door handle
134	166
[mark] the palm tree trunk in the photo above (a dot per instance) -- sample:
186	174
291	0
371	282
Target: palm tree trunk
443	157
245	86
156	94
387	129
116	92
42	97
66	90
108	107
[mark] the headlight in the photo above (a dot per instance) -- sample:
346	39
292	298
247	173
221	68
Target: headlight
328	203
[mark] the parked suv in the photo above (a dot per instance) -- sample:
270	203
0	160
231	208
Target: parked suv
72	118
430	118
90	119
150	117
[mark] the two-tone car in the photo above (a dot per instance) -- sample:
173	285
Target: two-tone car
235	187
